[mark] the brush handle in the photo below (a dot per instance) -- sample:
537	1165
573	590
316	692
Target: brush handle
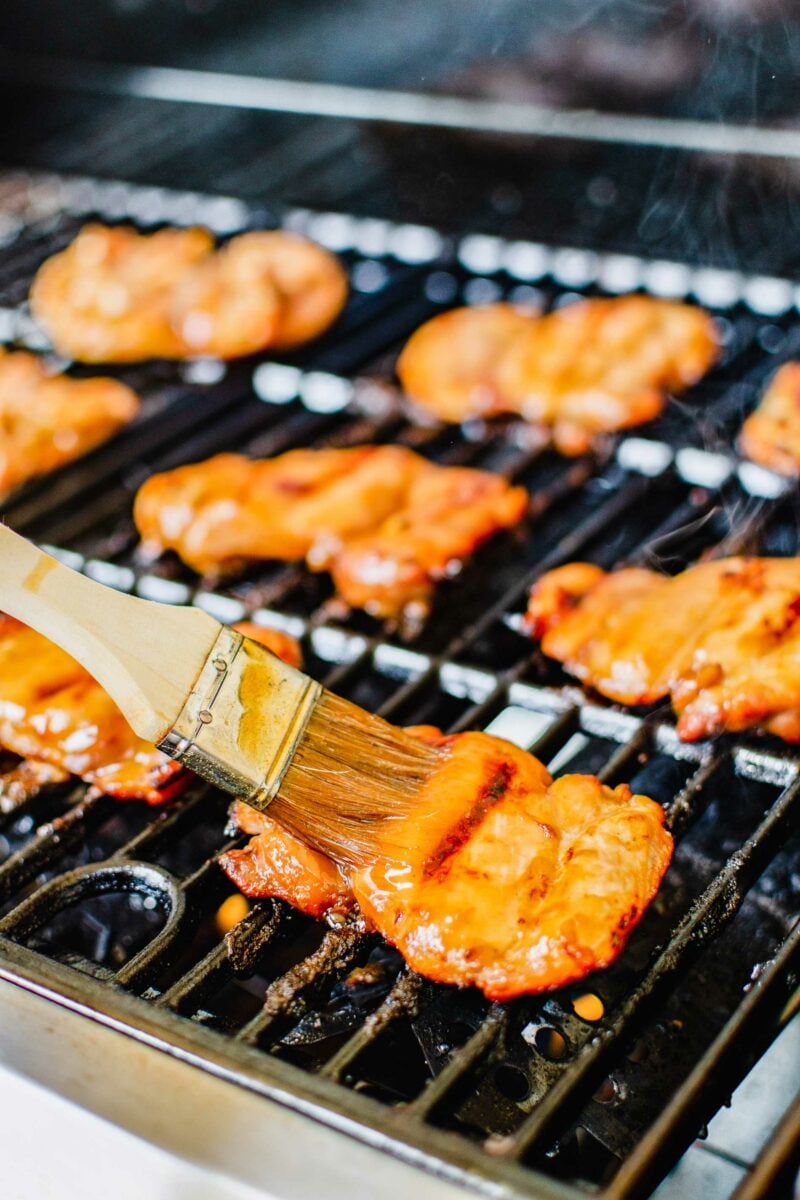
146	655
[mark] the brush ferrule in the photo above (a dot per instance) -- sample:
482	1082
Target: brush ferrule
243	719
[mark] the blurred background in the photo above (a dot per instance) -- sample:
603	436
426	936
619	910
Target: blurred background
142	90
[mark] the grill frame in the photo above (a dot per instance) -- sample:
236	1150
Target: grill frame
410	1136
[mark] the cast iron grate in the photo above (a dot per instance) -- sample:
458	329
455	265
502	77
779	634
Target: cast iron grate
121	908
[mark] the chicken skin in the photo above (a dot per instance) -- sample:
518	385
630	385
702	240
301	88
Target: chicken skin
450	364
501	878
384	521
49	420
721	640
106	297
771	435
115	295
53	712
590	367
276	864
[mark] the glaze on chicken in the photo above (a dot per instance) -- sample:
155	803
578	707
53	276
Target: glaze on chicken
590	367
53	712
263	289
384	521
450	365
277	864
501	878
48	420
721	640
115	295
771	435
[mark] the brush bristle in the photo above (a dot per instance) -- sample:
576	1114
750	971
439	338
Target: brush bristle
351	775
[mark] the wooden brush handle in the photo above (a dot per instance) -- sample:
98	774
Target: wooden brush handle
146	655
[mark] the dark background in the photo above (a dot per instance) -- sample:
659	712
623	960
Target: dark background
716	60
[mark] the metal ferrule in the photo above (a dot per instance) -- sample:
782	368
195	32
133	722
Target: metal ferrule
243	719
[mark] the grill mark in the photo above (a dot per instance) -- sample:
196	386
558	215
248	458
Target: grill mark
785	621
490	794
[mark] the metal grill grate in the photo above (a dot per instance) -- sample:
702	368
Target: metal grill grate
115	908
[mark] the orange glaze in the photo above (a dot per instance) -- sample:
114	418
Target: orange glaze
106	297
501	878
115	295
310	282
53	711
274	863
449	365
449	513
771	435
722	639
387	523
262	289
589	367
49	420
231	509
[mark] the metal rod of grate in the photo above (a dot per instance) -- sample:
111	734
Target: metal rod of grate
257	93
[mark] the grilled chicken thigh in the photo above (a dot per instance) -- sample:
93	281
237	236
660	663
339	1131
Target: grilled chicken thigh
722	639
771	435
383	520
115	295
590	367
450	365
106	297
49	420
277	864
262	289
500	877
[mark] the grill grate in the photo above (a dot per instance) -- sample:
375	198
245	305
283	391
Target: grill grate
115	908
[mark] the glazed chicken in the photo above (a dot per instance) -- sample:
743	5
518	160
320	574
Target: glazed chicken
54	713
501	877
115	295
106	297
722	639
276	864
450	365
49	420
384	521
771	435
590	367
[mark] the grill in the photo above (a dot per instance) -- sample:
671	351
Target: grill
114	909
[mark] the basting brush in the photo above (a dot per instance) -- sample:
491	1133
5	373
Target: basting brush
225	707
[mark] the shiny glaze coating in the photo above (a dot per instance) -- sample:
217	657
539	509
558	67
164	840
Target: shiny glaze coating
501	878
115	295
450	364
384	521
589	367
722	639
48	420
